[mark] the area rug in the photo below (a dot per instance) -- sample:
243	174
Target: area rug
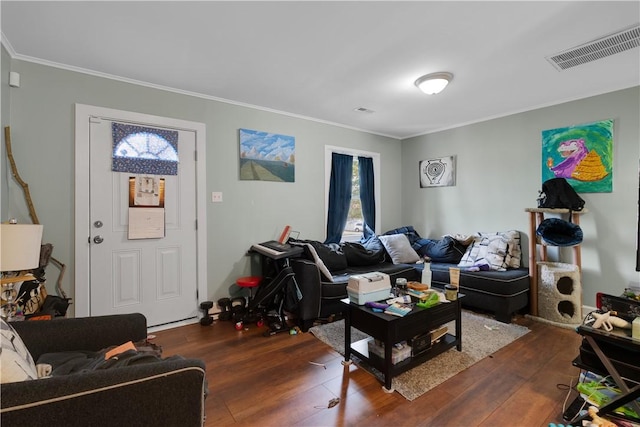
481	336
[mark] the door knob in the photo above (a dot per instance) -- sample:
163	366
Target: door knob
98	239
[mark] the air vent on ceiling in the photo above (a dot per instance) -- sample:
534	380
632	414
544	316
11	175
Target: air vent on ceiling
600	48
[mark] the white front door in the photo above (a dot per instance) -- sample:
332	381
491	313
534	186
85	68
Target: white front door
157	277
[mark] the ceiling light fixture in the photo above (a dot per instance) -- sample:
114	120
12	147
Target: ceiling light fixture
434	83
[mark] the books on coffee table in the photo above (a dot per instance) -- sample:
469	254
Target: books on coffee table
397	309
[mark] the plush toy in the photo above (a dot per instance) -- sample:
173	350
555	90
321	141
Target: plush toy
597	421
608	320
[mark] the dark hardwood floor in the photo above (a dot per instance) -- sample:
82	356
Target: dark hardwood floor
276	381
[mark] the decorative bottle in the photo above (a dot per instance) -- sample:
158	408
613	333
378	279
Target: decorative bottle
426	273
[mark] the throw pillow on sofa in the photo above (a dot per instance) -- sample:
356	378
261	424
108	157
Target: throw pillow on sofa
514	248
399	249
500	250
15	360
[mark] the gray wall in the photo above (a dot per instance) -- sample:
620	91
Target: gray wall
42	123
499	175
498	172
5	118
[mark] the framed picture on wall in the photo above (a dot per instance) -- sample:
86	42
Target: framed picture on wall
582	154
267	156
440	172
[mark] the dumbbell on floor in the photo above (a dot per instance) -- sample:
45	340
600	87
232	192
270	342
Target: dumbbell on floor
205	306
225	308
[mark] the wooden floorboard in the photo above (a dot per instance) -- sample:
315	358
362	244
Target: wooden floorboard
288	380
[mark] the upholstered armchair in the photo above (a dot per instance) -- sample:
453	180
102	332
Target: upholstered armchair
167	392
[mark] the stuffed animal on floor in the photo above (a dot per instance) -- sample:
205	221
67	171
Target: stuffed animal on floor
608	320
597	421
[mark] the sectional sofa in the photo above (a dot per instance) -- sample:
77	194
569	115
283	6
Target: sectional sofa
323	273
491	276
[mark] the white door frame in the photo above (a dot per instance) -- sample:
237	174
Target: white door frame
82	115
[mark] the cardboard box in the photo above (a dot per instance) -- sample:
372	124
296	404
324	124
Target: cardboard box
363	288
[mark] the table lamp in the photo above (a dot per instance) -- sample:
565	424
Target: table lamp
19	252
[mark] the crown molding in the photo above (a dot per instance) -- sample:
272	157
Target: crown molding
7	45
17	56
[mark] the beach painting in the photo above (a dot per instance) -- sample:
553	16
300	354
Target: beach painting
267	156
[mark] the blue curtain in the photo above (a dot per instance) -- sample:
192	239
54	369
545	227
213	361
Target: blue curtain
367	195
339	196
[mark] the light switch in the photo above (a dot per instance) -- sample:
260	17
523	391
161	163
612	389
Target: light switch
216	197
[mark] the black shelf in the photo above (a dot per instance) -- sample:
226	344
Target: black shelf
579	404
393	329
598	368
361	349
601	352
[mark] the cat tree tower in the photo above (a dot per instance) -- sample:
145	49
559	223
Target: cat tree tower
556	287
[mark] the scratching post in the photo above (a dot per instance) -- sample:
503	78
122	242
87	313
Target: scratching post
559	292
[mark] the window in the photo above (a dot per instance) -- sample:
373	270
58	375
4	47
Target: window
354	227
349	214
143	150
145	145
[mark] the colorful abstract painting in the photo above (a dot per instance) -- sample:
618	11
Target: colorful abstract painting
267	156
582	154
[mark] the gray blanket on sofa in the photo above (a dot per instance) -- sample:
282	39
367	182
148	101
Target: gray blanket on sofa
77	362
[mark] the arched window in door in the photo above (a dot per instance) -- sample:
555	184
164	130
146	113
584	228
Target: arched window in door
143	150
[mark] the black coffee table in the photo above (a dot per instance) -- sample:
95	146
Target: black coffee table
393	329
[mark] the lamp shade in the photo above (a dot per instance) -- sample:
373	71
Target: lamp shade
433	83
20	246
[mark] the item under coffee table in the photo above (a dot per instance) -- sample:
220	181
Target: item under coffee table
391	329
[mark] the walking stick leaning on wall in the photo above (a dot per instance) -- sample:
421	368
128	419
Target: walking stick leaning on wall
32	209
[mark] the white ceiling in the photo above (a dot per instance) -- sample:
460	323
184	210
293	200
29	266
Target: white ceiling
321	60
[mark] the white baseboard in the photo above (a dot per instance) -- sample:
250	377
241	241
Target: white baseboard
173	325
586	309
